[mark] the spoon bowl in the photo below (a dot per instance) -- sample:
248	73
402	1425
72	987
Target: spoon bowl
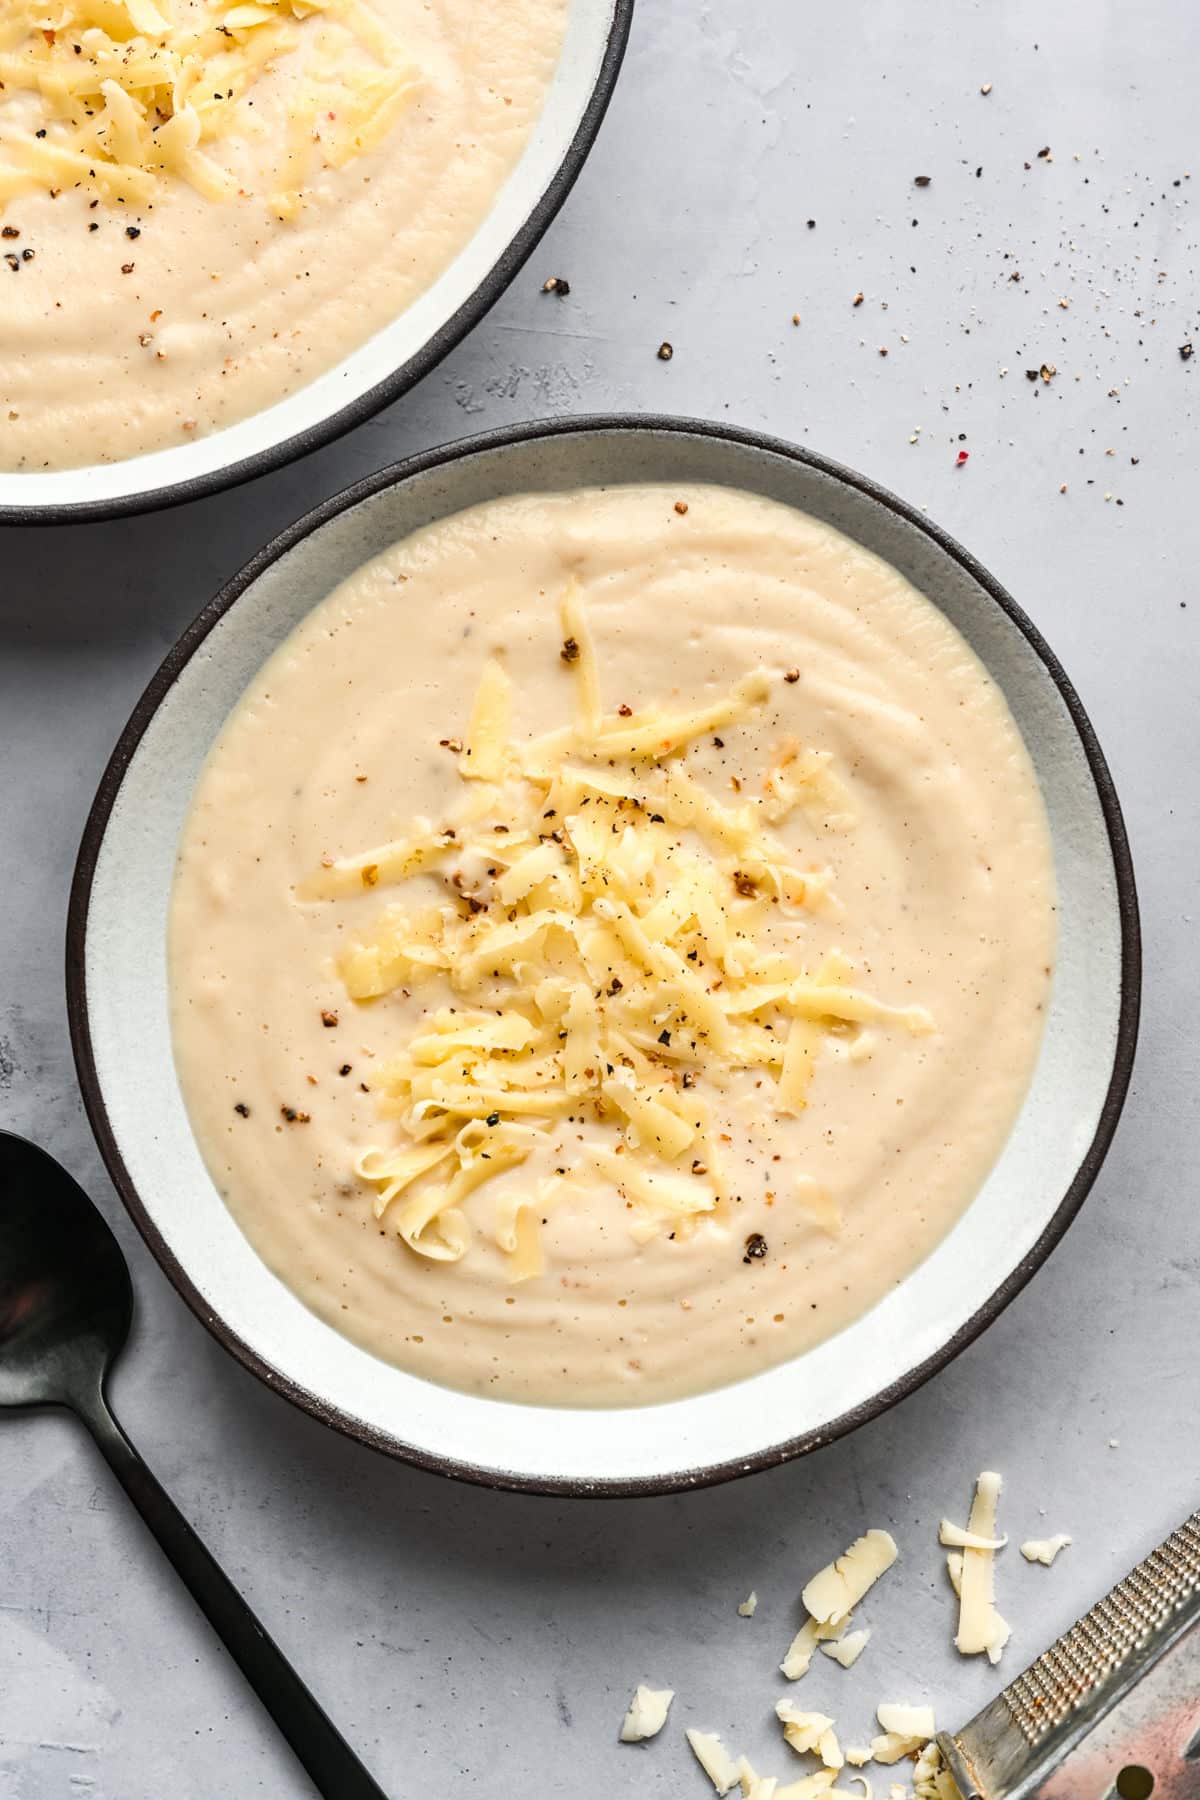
66	1300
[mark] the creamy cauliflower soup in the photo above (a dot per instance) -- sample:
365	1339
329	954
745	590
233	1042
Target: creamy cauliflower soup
610	943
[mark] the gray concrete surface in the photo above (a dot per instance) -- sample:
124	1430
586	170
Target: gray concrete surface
483	1645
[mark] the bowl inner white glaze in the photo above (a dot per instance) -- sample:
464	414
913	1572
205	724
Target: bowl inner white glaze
522	208
136	1104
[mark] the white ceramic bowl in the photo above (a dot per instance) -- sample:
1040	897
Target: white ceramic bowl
396	357
117	990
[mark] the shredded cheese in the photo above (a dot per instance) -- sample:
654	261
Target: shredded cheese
893	1746
811	1787
601	935
749	1606
848	1649
124	98
803	1646
803	1730
755	1786
956	1538
714	1759
837	1589
931	1779
1044	1550
830	1751
980	1627
906	1721
647	1714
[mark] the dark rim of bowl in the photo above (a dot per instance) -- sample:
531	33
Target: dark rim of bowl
76	972
447	337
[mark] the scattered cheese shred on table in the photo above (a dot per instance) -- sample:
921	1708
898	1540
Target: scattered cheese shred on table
931	1779
955	1537
755	1786
126	98
749	1605
647	1714
803	1647
848	1649
893	1746
1044	1550
812	1787
832	1594
599	943
806	1731
819	1786
714	1759
980	1627
906	1721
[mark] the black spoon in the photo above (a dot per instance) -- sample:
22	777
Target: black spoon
66	1302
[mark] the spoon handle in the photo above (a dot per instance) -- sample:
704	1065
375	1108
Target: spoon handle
334	1769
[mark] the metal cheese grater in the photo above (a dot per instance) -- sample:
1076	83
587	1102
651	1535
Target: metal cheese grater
1112	1710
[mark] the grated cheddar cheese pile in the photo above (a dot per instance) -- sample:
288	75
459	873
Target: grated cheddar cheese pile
604	926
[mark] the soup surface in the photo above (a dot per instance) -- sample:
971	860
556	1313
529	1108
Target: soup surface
610	943
219	200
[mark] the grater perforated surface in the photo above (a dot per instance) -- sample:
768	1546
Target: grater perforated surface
1053	1686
